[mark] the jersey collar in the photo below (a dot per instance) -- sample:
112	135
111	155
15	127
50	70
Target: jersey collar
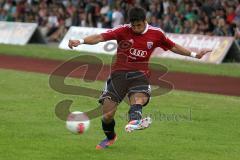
146	29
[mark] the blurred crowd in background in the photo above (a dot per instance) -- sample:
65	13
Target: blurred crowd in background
209	17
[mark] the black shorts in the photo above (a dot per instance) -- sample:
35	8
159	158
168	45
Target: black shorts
122	83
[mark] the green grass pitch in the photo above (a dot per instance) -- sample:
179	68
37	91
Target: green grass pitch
206	127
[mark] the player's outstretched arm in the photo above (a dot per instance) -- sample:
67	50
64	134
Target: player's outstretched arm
93	39
183	51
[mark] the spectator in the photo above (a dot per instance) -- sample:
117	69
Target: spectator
90	14
154	21
52	22
221	29
211	17
230	15
208	25
117	17
3	14
168	24
187	28
77	18
237	33
237	12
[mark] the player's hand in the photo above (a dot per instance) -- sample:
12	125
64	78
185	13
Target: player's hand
73	43
202	53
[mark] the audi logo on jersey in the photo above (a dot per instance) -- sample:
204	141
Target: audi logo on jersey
138	52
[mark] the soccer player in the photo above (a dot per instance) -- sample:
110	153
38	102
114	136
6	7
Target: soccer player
129	75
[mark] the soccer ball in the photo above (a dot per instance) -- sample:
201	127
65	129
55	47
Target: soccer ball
77	122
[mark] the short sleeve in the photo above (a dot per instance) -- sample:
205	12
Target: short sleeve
113	34
165	43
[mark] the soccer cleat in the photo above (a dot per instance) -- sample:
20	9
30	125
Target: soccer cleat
106	143
138	124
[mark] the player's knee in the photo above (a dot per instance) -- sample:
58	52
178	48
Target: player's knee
141	100
108	102
138	98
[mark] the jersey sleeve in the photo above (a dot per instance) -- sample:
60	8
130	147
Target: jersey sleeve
165	43
114	34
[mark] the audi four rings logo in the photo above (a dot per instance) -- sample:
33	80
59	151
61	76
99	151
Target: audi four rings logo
138	53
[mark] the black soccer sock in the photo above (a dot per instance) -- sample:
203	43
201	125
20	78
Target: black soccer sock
135	112
108	129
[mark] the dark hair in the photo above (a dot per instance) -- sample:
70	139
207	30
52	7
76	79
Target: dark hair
136	14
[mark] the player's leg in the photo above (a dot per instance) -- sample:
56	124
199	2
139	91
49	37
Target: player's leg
112	95
136	121
109	108
139	94
137	100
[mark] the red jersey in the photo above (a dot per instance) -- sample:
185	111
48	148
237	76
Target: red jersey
134	50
